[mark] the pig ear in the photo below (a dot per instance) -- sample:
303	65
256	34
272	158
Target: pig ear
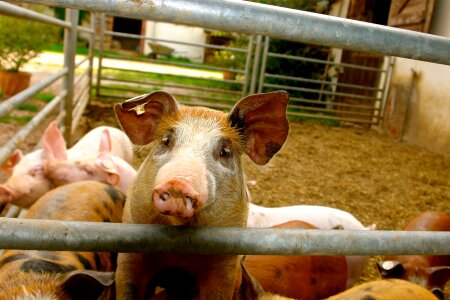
105	141
439	275
140	116
250	288
106	164
261	118
390	269
53	143
13	160
86	284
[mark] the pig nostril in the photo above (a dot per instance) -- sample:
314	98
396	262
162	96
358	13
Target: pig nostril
164	196
189	203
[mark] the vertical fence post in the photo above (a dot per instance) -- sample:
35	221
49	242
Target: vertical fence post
70	45
386	85
262	77
91	53
100	53
256	63
248	62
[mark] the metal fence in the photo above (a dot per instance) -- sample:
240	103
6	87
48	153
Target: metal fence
75	93
250	18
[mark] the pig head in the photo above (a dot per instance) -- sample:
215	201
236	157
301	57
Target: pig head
429	271
28	177
193	176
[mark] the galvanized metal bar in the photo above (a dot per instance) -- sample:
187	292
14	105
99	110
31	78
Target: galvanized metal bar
320	61
11	103
190	77
325	82
118	237
328	117
278	22
171	63
90	69
186	87
256	64
329	110
262	72
85	29
101	42
142	37
70	45
20	12
25	131
248	63
331	104
279	86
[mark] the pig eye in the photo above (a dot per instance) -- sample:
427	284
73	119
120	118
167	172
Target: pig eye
38	170
88	170
225	152
166	141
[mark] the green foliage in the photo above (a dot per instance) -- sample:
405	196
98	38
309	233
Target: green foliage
28	107
228	58
21	40
16	119
45	97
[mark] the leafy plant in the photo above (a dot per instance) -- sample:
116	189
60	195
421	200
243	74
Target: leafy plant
22	40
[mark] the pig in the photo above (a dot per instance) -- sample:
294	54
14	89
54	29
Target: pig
106	168
27	181
299	276
429	271
192	176
320	216
30	274
386	289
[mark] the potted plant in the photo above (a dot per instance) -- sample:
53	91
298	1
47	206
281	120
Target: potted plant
20	41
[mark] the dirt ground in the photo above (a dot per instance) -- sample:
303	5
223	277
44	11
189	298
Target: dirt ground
376	178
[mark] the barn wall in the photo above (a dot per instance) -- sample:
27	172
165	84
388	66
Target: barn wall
418	108
180	33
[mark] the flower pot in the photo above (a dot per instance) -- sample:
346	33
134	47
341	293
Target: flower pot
12	83
229	75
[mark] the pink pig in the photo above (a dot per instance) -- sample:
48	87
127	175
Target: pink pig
106	168
28	181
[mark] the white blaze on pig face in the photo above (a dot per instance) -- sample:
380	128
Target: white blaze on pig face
191	158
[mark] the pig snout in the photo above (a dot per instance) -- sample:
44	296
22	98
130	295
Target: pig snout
6	195
177	197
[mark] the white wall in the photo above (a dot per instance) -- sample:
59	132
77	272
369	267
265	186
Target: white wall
179	33
418	108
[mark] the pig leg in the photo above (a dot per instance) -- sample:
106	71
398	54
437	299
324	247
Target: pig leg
219	281
133	278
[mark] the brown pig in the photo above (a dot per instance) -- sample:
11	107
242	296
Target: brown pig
29	274
386	289
429	271
299	276
193	176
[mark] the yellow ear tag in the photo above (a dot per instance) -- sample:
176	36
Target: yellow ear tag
139	109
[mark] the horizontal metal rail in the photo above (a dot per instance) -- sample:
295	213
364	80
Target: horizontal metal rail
294	100
331	111
328	117
142	37
171	63
324	82
326	62
11	103
189	77
307	90
117	237
19	12
163	84
277	22
25	131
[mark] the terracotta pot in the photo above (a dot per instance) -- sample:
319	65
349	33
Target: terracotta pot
12	83
229	75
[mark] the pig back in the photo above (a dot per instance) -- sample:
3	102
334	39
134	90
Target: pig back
44	272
